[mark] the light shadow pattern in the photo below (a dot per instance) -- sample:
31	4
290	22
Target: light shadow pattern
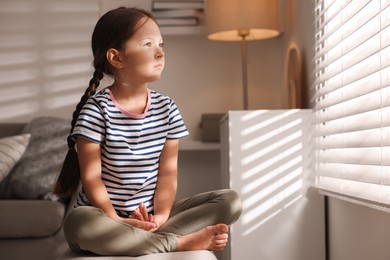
45	57
269	165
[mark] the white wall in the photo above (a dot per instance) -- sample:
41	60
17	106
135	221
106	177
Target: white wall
299	33
358	232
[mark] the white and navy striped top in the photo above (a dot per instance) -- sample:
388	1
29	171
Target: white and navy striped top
131	145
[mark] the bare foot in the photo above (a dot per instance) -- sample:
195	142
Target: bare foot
209	238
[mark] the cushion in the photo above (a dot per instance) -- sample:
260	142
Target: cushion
30	218
34	175
11	150
188	255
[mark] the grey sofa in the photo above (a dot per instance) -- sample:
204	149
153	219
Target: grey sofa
30	216
31	224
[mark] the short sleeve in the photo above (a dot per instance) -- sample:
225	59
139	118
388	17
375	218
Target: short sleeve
90	123
177	128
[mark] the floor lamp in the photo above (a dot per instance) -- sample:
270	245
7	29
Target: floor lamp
242	20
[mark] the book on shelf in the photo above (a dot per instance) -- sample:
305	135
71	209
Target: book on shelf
178	13
191	21
158	5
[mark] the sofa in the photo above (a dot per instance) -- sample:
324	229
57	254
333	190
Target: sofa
31	217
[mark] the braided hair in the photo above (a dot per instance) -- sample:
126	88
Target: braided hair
112	30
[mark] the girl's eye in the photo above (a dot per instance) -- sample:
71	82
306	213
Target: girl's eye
161	45
149	44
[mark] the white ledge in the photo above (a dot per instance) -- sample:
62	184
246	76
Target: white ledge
199	146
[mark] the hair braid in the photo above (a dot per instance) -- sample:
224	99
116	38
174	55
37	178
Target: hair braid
68	180
89	92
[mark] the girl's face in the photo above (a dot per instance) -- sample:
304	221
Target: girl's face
143	59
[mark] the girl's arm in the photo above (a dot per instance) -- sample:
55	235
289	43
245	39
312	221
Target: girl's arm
166	183
89	155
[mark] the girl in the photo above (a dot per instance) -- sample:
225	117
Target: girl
127	140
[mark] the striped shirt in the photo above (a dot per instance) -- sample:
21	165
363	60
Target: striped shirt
131	145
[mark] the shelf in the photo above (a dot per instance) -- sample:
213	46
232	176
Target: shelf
199	146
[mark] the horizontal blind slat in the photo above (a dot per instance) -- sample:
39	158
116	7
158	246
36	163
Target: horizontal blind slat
372	120
357	156
363	173
358	139
360	190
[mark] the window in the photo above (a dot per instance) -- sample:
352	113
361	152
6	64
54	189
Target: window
353	100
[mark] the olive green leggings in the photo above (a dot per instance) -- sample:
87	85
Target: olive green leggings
88	229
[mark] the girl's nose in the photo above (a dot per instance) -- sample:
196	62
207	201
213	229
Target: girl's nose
159	54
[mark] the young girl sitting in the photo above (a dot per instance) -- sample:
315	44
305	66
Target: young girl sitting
127	139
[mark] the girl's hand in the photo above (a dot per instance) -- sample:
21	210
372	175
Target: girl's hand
145	225
141	219
159	220
152	223
141	214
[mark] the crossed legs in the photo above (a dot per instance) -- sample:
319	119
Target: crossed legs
199	222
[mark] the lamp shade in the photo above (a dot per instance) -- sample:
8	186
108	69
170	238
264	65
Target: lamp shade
229	20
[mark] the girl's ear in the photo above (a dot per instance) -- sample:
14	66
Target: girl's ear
114	58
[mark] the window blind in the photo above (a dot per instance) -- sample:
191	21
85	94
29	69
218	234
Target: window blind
352	111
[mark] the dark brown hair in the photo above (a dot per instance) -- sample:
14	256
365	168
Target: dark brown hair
112	30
